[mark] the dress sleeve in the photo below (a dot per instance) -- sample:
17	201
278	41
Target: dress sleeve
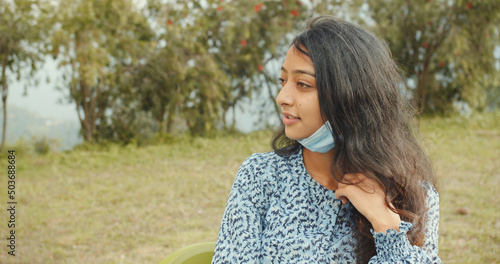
394	246
239	238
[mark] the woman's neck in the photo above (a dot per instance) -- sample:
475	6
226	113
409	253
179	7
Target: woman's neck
319	167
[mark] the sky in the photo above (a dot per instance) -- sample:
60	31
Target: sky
42	99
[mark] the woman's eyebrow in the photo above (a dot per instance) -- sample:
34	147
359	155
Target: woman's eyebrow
299	72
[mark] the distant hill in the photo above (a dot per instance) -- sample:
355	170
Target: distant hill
23	123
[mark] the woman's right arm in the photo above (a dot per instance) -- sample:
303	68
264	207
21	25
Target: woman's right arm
239	238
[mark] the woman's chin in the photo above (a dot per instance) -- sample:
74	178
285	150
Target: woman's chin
292	136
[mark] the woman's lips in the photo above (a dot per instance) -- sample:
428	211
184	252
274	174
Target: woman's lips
289	119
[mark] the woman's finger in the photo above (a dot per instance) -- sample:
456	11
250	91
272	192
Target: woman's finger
341	193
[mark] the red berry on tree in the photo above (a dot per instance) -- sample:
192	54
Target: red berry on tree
219	8
260	67
294	12
258	7
441	63
170	22
426	45
469	5
243	42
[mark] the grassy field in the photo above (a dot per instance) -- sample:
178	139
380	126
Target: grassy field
136	205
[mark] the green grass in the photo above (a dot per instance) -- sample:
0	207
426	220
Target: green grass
137	205
466	155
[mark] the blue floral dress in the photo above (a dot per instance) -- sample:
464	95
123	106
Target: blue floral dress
277	213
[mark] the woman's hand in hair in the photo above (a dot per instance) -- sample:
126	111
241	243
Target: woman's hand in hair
369	199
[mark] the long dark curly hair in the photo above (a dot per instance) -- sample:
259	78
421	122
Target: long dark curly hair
361	92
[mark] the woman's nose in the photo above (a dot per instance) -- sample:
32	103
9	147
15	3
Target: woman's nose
285	97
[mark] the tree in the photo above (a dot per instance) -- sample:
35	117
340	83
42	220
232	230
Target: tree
96	42
21	43
166	77
446	47
216	54
244	36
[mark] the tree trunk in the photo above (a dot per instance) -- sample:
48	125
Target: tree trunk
5	91
88	121
272	98
421	91
233	125
422	83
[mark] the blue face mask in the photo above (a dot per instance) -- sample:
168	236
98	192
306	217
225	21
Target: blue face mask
321	141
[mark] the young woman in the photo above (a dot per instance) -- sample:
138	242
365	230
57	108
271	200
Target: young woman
347	181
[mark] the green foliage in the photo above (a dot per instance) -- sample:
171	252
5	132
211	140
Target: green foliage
201	60
87	146
22	32
172	67
33	145
210	56
446	48
22	145
44	145
94	50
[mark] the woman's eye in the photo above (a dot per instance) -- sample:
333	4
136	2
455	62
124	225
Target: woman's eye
282	81
302	85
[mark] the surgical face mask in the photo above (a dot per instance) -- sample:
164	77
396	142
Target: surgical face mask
321	141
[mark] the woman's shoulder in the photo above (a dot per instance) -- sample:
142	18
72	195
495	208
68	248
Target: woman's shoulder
266	165
268	158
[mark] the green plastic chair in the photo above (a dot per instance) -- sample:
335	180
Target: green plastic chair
200	253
